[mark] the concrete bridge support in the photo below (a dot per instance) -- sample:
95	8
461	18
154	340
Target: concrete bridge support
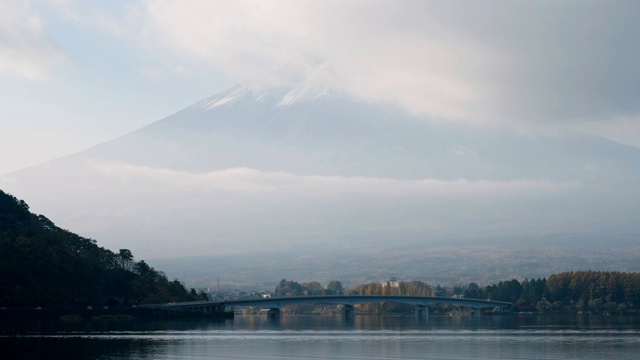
274	314
421	311
348	312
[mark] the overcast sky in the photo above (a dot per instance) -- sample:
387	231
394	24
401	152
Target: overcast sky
76	73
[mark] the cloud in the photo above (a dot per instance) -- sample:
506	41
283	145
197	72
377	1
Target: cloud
250	181
625	130
289	39
26	47
484	62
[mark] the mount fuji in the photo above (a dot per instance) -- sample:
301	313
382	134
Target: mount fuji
310	170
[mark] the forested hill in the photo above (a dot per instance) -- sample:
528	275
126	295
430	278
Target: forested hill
42	264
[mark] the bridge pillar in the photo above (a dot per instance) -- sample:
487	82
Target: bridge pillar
421	311
273	314
348	312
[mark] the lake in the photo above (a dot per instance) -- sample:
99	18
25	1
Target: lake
329	337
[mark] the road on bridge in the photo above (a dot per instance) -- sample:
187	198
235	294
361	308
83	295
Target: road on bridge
421	303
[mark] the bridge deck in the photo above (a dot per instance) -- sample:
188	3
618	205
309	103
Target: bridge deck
333	300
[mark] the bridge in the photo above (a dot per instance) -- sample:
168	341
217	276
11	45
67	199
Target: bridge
274	305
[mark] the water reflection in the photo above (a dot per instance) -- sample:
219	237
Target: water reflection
8	327
389	337
376	322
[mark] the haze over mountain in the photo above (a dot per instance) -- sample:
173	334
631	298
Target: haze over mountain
308	170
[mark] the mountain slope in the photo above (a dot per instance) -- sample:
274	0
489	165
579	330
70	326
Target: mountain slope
332	134
258	169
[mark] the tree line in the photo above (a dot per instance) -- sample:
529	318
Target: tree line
596	291
574	291
390	288
293	288
43	264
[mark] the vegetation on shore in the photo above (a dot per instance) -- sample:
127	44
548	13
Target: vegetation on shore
43	265
576	291
595	291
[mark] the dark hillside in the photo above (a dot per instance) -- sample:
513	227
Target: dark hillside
42	264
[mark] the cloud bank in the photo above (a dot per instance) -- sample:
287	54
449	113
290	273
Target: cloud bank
520	63
244	180
527	66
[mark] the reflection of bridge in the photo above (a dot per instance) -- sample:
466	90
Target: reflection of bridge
347	301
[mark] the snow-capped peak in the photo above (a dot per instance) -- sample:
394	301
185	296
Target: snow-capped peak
316	84
225	98
320	82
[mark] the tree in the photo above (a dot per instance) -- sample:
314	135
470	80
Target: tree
142	268
334	288
440	291
312	288
288	288
126	257
473	291
202	295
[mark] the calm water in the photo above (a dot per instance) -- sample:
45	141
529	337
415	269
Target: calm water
328	337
